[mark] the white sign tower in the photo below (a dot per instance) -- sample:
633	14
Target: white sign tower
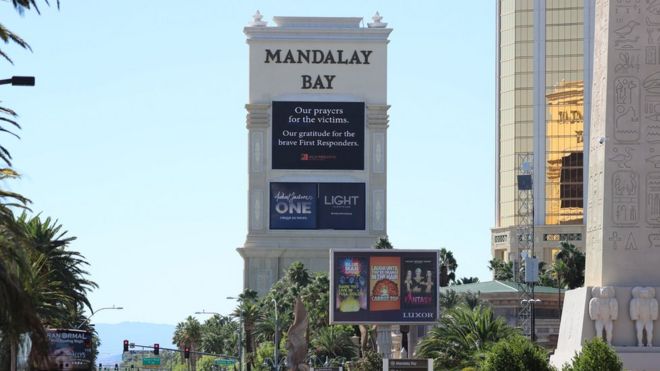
317	132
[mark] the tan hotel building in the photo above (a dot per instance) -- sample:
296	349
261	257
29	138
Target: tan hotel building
544	63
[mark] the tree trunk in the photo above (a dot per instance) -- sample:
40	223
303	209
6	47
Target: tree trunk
13	353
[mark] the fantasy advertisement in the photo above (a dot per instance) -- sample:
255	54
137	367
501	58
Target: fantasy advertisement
419	284
318	135
384	286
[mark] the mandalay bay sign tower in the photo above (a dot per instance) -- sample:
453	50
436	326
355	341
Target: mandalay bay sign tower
317	142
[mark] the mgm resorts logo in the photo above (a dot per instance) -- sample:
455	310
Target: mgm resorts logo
418	315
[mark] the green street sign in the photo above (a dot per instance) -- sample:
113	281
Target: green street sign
151	361
224	362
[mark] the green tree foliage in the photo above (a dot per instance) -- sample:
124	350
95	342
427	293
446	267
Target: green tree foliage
220	335
188	334
383	243
569	266
461	337
450	299
334	342
595	355
502	271
248	312
205	363
466	280
50	275
448	267
371	361
516	354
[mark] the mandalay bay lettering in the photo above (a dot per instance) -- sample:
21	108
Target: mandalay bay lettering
317	56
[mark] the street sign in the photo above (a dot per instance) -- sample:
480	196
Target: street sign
151	361
224	362
407	364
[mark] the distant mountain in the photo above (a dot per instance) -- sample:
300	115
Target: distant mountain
112	338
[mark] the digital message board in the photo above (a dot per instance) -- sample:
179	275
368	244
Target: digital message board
69	349
339	206
318	135
384	286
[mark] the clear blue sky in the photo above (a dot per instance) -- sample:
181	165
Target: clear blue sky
134	138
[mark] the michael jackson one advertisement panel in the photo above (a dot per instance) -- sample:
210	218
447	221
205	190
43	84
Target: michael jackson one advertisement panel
384	286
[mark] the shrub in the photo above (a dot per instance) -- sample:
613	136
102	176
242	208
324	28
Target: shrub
516	354
595	355
371	361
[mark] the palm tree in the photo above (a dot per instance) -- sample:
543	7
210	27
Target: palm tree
461	337
57	275
188	334
334	342
466	280
248	311
219	335
383	243
51	277
569	266
502	271
448	267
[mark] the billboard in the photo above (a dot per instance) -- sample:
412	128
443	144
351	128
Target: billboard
384	286
293	205
69	349
318	135
338	206
341	206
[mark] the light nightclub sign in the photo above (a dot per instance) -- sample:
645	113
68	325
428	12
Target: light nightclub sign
317	206
318	135
384	287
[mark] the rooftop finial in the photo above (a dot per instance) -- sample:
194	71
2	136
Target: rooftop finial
377	21
256	20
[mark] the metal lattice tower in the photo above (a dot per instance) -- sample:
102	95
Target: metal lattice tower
525	236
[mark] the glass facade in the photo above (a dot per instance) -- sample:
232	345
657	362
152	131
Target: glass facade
563	47
564	87
516	84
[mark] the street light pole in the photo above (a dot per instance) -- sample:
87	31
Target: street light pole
96	311
18	81
240	336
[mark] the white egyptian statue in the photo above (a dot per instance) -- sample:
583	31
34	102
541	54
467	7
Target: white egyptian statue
644	310
603	309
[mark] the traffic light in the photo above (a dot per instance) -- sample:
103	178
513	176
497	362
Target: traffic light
186	352
125	345
156	348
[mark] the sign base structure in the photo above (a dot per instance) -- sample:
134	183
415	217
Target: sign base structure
317	119
577	327
407	365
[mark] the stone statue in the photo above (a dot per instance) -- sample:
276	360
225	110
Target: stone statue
296	344
644	310
603	309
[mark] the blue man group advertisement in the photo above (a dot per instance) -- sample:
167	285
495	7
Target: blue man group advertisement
339	206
